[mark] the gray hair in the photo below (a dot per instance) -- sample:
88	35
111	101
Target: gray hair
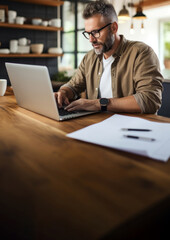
101	7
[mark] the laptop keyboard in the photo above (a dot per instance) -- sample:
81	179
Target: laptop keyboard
63	112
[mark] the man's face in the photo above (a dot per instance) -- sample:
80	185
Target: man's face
106	40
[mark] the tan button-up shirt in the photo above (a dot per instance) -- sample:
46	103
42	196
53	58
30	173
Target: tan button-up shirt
135	71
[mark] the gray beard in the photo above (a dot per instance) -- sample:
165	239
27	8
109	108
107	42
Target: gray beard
106	46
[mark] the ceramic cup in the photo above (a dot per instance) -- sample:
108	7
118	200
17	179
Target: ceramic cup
12	16
55	22
3	86
13	45
20	20
24	42
44	23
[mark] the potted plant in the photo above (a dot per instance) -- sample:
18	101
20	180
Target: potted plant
59	79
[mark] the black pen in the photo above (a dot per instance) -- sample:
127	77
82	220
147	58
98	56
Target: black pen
136	129
140	138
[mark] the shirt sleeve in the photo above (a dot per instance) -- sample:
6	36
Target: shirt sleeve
78	82
148	81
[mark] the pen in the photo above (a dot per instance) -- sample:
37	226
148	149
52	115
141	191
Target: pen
136	129
140	138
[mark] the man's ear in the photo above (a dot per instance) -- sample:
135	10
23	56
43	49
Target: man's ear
114	27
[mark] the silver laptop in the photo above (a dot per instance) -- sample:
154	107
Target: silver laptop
33	90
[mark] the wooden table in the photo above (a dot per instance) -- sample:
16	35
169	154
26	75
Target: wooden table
54	187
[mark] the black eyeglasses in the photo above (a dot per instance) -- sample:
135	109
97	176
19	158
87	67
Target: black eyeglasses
94	33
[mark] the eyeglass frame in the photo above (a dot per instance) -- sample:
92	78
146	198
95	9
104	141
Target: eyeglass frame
96	31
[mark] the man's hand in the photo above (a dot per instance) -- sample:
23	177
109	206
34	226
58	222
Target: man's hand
61	98
84	104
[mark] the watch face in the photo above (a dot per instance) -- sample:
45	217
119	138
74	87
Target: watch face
104	101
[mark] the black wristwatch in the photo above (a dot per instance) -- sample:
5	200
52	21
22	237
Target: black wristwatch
103	103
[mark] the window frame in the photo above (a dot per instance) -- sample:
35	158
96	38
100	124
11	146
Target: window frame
75	31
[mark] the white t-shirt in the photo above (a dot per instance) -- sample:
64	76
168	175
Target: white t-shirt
105	87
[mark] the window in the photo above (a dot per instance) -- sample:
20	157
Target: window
74	45
165	47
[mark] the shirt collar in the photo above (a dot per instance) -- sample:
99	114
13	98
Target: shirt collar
121	47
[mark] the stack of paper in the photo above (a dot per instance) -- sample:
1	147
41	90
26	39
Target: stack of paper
116	132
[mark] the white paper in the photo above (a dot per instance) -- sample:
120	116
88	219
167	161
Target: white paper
109	133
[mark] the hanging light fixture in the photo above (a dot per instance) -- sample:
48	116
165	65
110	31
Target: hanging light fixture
132	31
139	14
142	28
123	14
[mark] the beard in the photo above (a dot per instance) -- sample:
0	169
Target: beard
105	47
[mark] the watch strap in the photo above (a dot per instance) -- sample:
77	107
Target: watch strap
104	108
103	104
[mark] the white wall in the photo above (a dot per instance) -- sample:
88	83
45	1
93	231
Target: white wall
151	24
150	36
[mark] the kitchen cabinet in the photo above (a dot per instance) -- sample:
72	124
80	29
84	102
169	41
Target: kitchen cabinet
30	55
30	27
48	35
54	3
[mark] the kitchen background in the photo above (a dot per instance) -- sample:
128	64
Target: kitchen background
154	30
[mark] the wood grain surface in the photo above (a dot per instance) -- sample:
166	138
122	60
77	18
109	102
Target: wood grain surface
54	187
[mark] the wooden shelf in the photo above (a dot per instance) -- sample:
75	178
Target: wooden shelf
54	3
30	26
30	55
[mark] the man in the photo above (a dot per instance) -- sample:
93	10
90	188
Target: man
118	75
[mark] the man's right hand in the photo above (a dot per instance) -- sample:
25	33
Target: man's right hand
61	98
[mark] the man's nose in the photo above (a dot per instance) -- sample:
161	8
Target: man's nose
91	38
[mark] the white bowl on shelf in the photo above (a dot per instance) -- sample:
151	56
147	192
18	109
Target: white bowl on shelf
4	51
23	49
37	48
36	21
55	50
55	22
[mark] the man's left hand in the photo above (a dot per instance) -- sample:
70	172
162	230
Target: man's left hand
84	104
